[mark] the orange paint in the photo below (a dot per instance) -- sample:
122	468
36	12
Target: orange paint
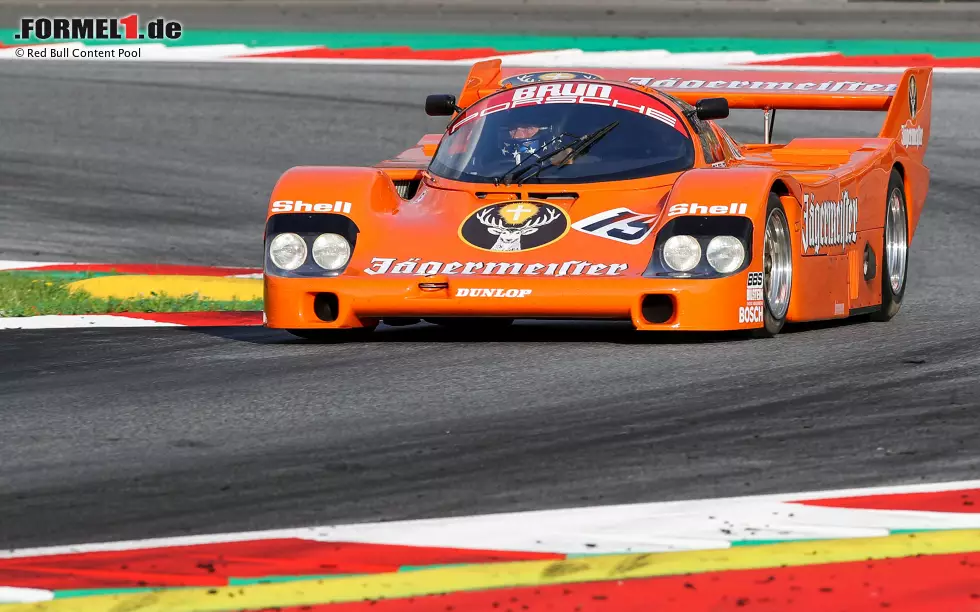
403	243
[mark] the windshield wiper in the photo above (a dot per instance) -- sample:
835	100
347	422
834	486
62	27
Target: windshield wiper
506	177
572	151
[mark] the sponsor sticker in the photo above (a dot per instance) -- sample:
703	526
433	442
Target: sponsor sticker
281	206
492	293
416	267
746	85
735	208
829	223
754	309
750	314
913	97
620	224
537	77
753	287
518	225
911	135
595	94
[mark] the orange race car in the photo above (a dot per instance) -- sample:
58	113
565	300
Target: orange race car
611	194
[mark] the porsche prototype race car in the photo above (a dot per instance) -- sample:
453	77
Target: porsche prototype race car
612	194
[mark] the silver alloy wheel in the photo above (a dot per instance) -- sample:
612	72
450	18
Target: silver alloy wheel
777	264
896	241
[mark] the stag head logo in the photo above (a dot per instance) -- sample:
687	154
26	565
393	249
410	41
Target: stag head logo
514	226
913	97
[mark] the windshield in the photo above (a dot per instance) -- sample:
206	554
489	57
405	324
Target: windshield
517	127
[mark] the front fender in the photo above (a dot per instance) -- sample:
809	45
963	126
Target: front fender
312	200
734	191
726	191
357	193
728	201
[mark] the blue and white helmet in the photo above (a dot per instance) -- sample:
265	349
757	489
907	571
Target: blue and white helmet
521	141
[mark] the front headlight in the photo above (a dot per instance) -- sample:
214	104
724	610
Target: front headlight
331	251
725	253
287	251
682	253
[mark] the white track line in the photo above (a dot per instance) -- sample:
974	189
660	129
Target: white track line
646	527
6	264
76	321
10	595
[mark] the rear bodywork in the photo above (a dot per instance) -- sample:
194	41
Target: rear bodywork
409	259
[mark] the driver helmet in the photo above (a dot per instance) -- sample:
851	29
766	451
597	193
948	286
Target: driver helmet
522	139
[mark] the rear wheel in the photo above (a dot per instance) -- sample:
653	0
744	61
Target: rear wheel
896	250
777	266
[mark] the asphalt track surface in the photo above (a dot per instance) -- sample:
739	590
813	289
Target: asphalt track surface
112	434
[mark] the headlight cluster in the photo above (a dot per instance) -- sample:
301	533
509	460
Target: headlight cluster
696	246
288	251
682	253
725	254
331	251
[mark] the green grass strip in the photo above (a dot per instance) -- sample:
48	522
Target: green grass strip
25	295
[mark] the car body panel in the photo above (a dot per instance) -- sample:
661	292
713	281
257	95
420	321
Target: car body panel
404	242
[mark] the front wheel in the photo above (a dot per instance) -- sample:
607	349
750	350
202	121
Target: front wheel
896	250
777	267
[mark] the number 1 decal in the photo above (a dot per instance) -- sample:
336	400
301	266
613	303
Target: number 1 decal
132	25
620	224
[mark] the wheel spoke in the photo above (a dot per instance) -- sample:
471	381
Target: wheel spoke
778	264
896	242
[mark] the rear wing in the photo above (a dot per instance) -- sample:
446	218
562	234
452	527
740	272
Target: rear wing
906	97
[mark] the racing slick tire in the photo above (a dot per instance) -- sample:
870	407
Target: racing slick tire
895	250
777	265
334	335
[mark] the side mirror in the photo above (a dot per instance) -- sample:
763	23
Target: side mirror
441	105
712	108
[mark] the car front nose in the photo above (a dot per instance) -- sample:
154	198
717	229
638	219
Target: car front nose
654	304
